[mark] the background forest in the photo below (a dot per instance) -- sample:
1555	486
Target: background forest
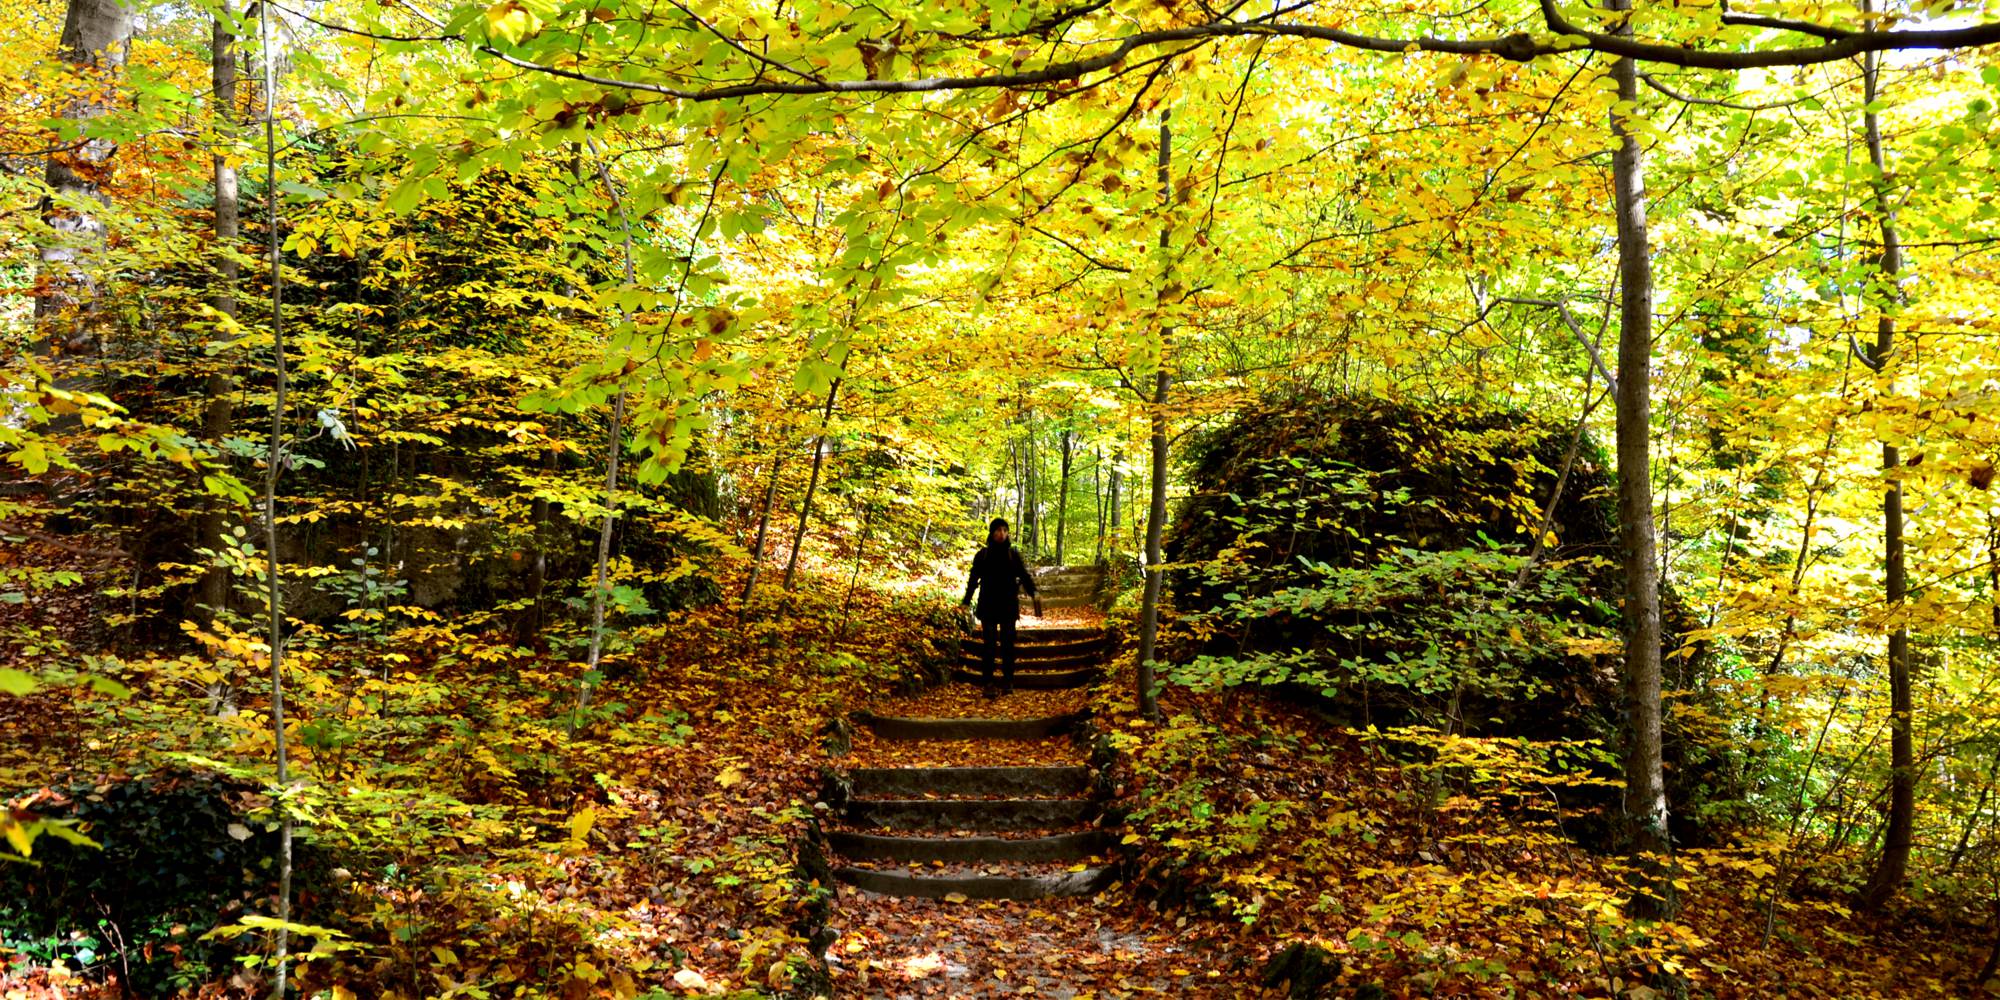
467	468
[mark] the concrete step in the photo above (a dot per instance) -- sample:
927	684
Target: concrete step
1062	848
1037	649
1037	634
1068	573
894	782
893	728
976	661
1037	680
971	814
1080	601
1081	883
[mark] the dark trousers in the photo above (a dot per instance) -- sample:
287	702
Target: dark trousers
998	635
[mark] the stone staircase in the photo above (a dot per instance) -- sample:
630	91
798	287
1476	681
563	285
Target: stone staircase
1068	586
984	832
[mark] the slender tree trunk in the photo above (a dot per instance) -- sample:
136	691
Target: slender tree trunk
1894	863
1062	493
1032	526
1097	500
854	580
1020	489
1114	503
540	512
763	525
1645	802
94	38
812	484
1149	611
615	445
219	414
274	463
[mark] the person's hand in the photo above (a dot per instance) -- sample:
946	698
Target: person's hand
1038	606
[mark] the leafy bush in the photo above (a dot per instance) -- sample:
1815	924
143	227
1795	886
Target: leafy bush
178	854
1383	560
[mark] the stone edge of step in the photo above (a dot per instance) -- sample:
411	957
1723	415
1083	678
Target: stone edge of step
1053	849
1083	883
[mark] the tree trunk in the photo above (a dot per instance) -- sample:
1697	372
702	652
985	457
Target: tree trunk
763	525
1097	500
274	463
1062	493
219	415
1149	610
1895	860
95	33
812	484
1645	801
1031	523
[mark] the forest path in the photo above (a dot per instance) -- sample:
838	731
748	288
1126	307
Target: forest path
972	848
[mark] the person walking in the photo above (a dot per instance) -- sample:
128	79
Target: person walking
996	570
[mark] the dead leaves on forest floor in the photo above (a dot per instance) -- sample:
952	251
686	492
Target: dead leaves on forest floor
1073	949
1099	948
967	701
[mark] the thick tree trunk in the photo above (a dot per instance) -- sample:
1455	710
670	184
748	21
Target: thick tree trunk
1894	863
1149	609
1645	782
812	484
219	415
95	33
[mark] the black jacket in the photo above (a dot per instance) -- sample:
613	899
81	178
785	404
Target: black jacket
995	570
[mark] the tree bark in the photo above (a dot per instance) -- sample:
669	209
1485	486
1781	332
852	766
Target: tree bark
812	483
1894	862
1097	500
219	414
1062	493
274	463
1645	801
1149	609
95	33
763	525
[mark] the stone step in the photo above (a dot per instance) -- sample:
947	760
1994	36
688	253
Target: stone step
893	728
1038	634
1028	645
1062	848
1046	782
1068	573
970	814
1037	680
972	660
1080	883
1079	601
